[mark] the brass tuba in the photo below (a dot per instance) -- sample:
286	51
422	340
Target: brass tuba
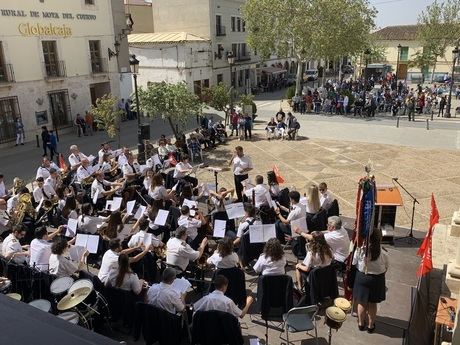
23	207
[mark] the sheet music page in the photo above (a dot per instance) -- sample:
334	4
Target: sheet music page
219	228
156	160
116	204
303	201
254	341
92	244
96	196
181	285
235	210
91	159
130	206
140	211
81	240
161	217
256	234
189	203
269	231
109	205
301	223
147	239
76	253
71	227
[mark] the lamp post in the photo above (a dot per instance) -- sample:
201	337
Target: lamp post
455	57
134	65
397	62
367	54
231	62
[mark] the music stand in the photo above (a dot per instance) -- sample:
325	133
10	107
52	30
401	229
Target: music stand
410	236
216	172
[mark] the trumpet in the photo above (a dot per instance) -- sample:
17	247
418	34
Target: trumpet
48	204
114	168
87	181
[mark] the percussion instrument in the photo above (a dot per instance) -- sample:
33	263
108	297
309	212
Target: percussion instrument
335	317
61	285
5	286
41	304
81	283
343	304
15	296
70	316
73	299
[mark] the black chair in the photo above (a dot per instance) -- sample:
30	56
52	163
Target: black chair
216	328
121	305
284	200
249	251
236	289
333	209
157	325
274	297
230	223
317	221
322	284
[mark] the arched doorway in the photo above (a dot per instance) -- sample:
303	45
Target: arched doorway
286	66
293	69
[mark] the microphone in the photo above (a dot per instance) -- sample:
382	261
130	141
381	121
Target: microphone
394	178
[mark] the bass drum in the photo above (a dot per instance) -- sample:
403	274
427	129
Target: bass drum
41	304
335	317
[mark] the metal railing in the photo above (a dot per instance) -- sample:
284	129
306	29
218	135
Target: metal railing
55	70
220	30
6	73
243	57
99	65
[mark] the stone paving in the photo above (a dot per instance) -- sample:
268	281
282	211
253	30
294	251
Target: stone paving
340	164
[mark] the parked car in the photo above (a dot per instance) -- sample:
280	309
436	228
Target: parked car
310	75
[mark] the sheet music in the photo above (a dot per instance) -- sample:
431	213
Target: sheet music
261	233
116	204
71	227
109	205
147	239
181	285
81	240
269	232
90	242
219	228
130	206
39	205
235	210
248	183
96	196
207	187
175	186
301	223
76	253
189	203
192	213
156	160
203	208
140	212
254	341
161	217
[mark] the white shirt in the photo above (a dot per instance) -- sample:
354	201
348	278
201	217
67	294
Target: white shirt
216	300
130	282
45	172
109	262
88	224
297	212
75	159
312	261
12	203
49	187
101	153
134	168
261	195
245	226
122	160
138	238
99	186
38	194
325	200
40	252
83	172
162	151
158	193
179	253
266	266
61	266
164	297
191	224
241	163
2	189
376	267
181	166
229	261
339	242
11	245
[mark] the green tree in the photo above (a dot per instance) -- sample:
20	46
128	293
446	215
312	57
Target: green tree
308	29
246	100
173	102
218	97
422	59
439	28
107	115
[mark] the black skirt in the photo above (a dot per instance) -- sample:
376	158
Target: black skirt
369	288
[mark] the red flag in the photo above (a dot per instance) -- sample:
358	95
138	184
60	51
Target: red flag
62	164
426	265
434	219
279	178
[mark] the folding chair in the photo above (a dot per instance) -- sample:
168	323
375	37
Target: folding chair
302	319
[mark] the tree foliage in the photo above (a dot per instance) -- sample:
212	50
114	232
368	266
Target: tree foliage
107	114
422	59
439	28
173	102
218	97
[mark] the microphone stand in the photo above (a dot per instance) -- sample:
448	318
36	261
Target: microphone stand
410	236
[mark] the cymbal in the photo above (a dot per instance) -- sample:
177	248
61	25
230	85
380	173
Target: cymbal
73	299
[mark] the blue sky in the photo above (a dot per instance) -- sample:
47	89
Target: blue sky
394	12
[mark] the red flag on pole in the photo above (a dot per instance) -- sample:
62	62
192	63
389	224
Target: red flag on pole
434	219
426	265
279	178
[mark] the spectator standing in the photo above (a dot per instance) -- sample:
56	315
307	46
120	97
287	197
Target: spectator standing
19	131
52	145
247	127
89	120
45	140
442	105
81	125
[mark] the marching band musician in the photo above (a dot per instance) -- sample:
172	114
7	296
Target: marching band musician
179	253
182	171
50	185
131	170
75	157
12	249
103	188
191	224
60	263
241	165
123	157
38	190
40	248
84	170
44	169
105	148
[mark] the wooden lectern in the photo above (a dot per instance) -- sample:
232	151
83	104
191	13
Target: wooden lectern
388	199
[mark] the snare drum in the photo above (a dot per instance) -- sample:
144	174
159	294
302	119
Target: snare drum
41	304
343	304
335	317
15	296
70	316
60	286
81	283
5	286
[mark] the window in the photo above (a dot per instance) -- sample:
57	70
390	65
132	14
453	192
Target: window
235	50
243	25
220	78
53	67
220	29
97	64
241	78
233	24
6	70
9	111
60	107
220	49
404	54
243	50
89	2
238	24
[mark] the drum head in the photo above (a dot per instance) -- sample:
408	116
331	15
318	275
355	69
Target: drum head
61	285
336	314
5	285
343	304
81	283
70	316
41	304
15	296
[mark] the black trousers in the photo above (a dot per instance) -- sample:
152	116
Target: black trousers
239	186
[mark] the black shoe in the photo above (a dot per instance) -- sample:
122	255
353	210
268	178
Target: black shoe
362	328
22	143
371	330
16	145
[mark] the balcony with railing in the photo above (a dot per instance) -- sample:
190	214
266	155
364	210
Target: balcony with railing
55	70
99	65
6	73
241	57
220	31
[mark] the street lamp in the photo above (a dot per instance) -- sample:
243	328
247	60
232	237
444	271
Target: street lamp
367	54
455	57
134	65
397	62
231	62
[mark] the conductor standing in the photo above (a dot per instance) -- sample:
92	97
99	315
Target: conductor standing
241	165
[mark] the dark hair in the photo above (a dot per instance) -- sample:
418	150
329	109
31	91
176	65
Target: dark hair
249	209
181	231
143	224
59	246
374	244
153	212
294	195
319	246
40	232
114	225
225	247
322	185
273	249
184	157
239	148
157	180
123	268
220	282
114	243
60	192
187	191
259	179
70	205
19	228
184	210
